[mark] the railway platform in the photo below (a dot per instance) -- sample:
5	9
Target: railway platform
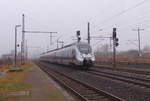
43	88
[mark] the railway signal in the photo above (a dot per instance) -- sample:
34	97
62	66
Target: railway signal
78	36
115	44
115	39
114	33
88	38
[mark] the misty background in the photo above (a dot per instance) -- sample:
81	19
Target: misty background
68	16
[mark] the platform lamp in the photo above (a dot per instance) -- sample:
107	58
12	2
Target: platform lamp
16	44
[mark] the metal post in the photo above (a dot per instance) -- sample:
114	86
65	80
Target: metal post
50	38
21	53
110	42
139	41
23	39
16	44
114	54
88	33
26	51
57	44
114	36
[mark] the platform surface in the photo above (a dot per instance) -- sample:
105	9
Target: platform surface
43	88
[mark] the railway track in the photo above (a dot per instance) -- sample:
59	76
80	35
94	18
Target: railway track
84	91
129	64
142	82
123	70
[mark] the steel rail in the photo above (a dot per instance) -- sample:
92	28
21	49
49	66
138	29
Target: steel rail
85	91
125	76
122	69
134	80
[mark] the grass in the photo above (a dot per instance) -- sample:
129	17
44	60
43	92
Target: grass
4	67
14	81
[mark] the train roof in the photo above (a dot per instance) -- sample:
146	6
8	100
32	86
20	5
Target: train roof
65	46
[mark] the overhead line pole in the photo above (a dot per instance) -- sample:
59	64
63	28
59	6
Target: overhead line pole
26	50
60	42
51	38
43	32
139	40
23	40
88	33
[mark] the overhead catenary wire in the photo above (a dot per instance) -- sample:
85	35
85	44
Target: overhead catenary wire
123	12
137	24
119	14
45	26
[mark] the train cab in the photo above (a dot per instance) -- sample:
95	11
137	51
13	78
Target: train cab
85	56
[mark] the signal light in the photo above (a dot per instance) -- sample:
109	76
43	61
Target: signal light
116	42
78	36
78	33
114	29
114	33
114	36
117	39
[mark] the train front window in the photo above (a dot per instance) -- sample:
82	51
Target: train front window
84	49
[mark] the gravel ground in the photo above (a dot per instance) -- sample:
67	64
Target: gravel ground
123	90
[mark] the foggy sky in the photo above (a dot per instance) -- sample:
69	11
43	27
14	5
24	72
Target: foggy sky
67	16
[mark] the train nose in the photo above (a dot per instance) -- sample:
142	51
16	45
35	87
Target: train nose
87	62
84	61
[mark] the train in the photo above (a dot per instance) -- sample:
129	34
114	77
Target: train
78	54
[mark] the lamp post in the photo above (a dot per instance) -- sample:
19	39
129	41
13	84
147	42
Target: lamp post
16	43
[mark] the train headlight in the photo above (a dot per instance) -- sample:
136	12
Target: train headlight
80	57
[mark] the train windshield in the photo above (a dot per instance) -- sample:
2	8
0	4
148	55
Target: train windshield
84	48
